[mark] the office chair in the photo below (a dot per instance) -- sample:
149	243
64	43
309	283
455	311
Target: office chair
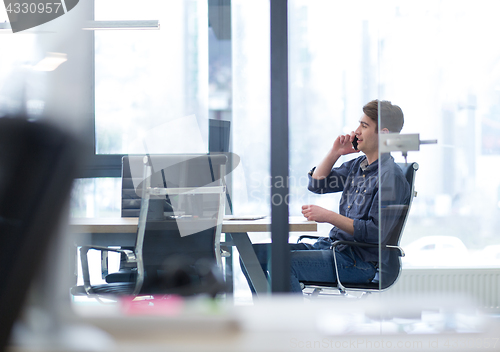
131	203
38	163
390	269
177	248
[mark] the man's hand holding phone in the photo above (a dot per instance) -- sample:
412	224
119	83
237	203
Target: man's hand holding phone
342	146
346	144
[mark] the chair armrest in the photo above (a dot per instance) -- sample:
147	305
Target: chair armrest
301	237
368	245
130	257
341	287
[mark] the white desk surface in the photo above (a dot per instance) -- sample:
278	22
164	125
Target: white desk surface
279	323
129	225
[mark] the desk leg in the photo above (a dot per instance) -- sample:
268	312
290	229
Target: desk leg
227	245
249	259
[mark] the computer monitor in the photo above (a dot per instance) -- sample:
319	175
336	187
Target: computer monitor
218	136
219	132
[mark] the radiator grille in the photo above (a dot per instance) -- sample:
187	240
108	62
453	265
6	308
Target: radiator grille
481	285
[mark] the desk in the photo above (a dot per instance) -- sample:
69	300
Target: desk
122	232
129	225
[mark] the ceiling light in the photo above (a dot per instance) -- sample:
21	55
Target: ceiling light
111	25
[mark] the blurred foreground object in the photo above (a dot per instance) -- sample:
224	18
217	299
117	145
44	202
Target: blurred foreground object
37	166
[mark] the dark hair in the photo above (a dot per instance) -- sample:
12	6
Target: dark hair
391	116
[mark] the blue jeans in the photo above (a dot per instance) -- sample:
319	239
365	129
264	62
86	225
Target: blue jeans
315	263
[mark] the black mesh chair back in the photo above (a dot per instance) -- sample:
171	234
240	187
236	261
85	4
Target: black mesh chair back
390	263
182	228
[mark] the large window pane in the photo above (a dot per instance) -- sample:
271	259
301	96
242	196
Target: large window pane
332	55
251	105
96	198
434	61
251	120
151	86
437	61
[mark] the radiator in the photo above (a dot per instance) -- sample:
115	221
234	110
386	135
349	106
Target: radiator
480	285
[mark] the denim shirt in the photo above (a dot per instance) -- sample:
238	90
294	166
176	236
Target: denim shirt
359	184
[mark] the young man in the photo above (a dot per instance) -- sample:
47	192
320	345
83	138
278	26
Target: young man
358	216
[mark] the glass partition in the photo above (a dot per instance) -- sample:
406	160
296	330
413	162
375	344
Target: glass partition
161	92
251	121
332	74
436	62
156	90
251	105
444	76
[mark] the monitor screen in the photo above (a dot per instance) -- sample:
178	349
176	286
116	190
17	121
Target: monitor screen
218	136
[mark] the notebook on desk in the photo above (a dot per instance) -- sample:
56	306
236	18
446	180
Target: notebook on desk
243	217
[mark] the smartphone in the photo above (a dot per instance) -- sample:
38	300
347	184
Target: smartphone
355	143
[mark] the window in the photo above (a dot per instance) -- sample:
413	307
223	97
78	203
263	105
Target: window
151	87
151	90
445	77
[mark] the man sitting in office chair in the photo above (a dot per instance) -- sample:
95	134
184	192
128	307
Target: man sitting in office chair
358	217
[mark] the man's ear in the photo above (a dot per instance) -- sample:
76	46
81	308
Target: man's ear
384	130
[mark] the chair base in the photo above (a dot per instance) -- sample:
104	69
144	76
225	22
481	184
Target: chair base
331	292
331	289
115	289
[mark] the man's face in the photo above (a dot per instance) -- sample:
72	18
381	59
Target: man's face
367	135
